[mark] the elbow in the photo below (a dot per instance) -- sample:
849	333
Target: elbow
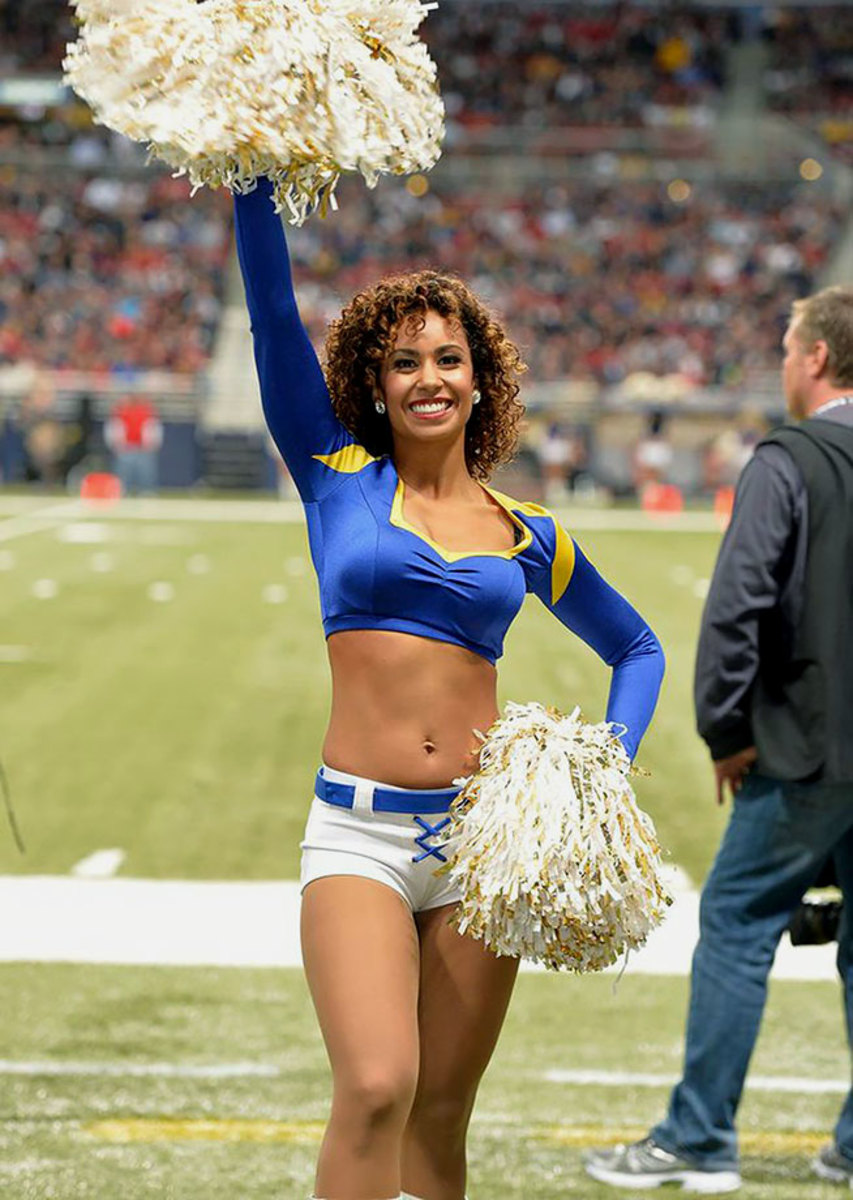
645	648
657	652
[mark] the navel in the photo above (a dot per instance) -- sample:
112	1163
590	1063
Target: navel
429	747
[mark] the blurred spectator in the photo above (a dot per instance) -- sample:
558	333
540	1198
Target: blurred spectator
562	458
652	454
81	442
554	458
134	434
42	434
730	451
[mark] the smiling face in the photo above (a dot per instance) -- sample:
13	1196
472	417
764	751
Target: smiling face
427	380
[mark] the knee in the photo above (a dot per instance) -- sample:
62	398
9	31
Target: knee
442	1117
375	1100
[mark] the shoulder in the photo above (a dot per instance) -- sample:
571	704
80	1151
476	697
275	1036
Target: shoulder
550	547
775	459
349	460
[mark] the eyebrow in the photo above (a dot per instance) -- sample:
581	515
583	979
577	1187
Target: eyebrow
439	349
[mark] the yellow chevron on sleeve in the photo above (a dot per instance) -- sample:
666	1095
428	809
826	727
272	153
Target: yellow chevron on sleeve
564	550
349	461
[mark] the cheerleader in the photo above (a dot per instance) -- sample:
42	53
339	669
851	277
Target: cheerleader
421	568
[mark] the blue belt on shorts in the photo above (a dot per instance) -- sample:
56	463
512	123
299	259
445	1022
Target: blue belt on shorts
386	799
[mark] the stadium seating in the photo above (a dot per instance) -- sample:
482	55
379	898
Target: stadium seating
599	279
104	274
809	75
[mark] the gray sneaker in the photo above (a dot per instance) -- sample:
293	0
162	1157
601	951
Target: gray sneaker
831	1164
645	1164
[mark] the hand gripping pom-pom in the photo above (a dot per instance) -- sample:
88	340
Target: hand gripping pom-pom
555	860
300	90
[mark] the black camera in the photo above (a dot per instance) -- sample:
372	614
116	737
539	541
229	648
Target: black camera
816	921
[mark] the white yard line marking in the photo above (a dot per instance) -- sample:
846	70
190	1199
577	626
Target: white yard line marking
161	591
289	512
146	922
101	864
45	589
84	533
16	654
796	1084
48	517
142	1070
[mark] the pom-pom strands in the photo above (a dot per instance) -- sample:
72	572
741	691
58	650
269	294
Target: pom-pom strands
555	860
299	90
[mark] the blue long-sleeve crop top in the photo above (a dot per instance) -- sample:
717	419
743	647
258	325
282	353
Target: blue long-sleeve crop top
375	570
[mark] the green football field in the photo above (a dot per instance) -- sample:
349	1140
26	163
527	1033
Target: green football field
164	691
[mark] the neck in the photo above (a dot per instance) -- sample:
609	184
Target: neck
824	395
437	470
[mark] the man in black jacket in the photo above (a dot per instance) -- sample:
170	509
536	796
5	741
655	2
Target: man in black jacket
774	702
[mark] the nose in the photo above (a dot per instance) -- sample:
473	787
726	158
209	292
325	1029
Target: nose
430	374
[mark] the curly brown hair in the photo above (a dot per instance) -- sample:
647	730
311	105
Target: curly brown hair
360	339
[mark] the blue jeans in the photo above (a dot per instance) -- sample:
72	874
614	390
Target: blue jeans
778	838
137	470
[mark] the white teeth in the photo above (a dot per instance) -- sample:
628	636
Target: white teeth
427	407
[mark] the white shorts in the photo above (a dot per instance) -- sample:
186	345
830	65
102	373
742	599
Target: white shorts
354	829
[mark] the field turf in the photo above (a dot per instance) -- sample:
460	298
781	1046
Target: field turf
166	695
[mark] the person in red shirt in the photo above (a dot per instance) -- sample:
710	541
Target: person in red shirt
134	434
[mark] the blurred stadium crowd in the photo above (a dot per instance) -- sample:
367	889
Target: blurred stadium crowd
597	280
606	270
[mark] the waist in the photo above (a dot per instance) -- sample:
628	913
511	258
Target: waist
344	790
406	709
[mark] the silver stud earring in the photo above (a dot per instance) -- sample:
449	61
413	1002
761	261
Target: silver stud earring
475	396
380	406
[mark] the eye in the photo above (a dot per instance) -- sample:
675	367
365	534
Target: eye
452	359
404	364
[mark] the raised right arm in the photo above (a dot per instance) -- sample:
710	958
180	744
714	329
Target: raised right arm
295	398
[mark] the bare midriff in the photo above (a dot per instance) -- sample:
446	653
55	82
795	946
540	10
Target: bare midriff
405	708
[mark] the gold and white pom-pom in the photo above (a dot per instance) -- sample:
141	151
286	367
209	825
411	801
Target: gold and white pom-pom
555	860
299	90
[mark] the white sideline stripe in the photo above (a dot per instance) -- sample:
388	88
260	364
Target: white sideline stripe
145	922
101	864
793	1085
758	1083
277	512
142	1070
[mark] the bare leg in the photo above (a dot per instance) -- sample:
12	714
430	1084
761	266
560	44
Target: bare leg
360	948
465	992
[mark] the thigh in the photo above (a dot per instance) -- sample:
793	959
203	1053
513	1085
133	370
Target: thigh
775	843
361	955
465	993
